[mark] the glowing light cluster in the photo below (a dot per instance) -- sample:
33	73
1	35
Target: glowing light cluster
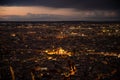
58	51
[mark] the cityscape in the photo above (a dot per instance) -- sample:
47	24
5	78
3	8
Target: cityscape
59	50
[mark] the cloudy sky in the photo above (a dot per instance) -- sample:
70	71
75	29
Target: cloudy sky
59	10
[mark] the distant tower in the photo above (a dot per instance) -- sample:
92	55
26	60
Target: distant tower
32	75
12	73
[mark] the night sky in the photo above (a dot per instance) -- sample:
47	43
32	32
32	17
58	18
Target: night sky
59	10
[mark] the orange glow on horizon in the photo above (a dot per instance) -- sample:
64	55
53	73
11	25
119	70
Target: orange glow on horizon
31	12
24	10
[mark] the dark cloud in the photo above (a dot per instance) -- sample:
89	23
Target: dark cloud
77	4
94	9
